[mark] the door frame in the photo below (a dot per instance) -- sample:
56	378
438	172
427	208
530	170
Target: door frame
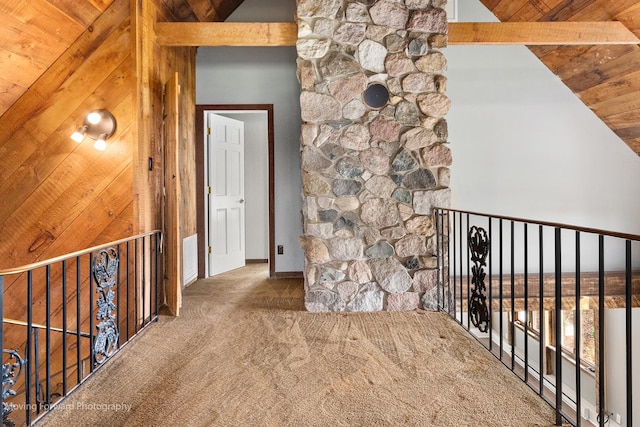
200	178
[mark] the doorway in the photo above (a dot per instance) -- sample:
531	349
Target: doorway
264	152
225	204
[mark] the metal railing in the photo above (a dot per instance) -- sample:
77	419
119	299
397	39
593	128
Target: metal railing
84	307
559	305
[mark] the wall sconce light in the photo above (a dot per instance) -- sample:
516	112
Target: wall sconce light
98	125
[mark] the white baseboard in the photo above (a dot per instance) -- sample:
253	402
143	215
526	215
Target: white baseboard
189	259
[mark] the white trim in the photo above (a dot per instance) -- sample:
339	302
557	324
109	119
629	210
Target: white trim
190	259
452	10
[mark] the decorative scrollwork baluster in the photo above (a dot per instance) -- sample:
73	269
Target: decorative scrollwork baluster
10	375
105	267
479	248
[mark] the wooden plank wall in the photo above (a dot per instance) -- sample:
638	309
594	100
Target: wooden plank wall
60	196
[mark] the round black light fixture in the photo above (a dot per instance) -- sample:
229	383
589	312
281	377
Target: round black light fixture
376	95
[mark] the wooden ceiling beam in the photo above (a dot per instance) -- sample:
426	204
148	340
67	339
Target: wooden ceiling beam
541	33
226	33
460	33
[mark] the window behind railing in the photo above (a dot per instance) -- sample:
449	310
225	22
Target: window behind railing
558	305
64	318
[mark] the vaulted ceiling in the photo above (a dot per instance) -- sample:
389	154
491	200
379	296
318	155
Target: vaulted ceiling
35	33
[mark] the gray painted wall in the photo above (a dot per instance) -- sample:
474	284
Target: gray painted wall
522	143
230	75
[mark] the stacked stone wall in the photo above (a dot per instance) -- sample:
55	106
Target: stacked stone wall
372	171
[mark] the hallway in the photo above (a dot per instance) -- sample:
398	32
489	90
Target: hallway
245	353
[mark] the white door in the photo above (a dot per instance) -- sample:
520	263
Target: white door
225	148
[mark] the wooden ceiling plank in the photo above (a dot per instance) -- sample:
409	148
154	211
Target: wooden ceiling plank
46	18
540	33
565	10
557	58
597	73
532	11
202	9
622	120
551	4
27	41
631	18
603	10
23	70
617	105
628	133
584	61
10	92
612	88
82	12
490	4
180	10
506	10
542	51
467	33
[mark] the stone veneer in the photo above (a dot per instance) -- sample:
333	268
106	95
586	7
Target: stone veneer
371	177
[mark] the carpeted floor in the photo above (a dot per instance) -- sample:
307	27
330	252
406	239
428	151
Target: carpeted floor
245	353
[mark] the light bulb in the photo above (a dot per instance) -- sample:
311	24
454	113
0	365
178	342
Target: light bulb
94	118
100	144
78	136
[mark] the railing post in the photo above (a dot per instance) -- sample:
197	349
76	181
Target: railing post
452	267
500	283
577	334
468	271
558	324
526	303
30	353
490	286
512	323
47	399
64	327
629	343
600	375
91	315
541	352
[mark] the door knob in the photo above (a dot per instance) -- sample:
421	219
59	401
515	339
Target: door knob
241	201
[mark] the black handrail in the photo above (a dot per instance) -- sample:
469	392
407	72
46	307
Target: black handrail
556	292
547	224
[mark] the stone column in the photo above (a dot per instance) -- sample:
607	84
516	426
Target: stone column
374	154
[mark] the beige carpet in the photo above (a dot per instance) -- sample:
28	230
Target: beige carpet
245	353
